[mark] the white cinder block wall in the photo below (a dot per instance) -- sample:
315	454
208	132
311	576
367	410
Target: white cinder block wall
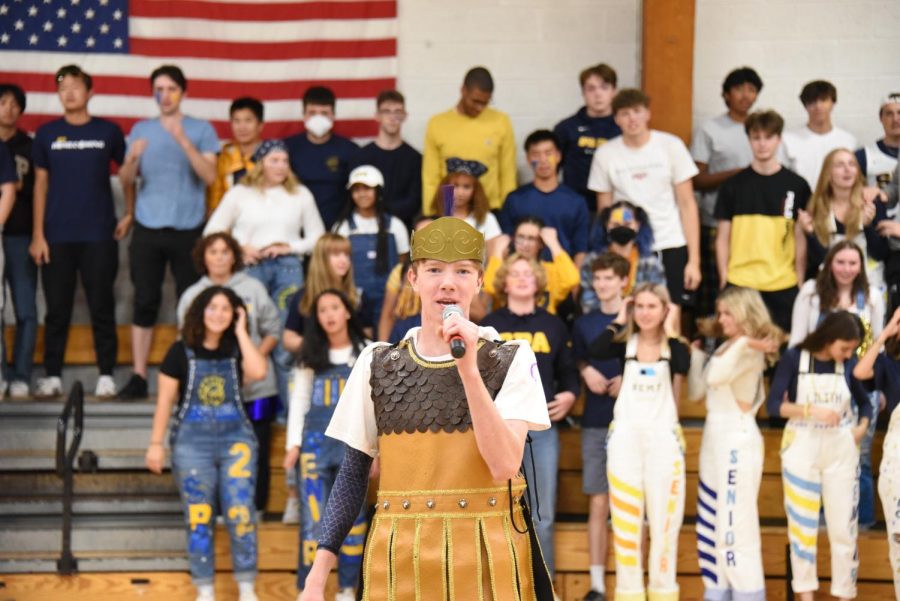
535	50
855	45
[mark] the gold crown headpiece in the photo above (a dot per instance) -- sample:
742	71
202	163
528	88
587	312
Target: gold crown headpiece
448	239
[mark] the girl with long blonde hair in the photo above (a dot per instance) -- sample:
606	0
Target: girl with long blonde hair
645	447
731	450
838	210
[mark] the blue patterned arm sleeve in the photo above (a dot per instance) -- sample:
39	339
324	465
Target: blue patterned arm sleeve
347	497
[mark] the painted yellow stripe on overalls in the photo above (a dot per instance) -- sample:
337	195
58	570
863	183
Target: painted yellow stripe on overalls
626	488
795	499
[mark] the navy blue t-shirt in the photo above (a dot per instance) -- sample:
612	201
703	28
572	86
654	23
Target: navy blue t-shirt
785	379
402	171
562	209
598	408
580	136
7	166
323	168
19	222
550	342
79	197
886	379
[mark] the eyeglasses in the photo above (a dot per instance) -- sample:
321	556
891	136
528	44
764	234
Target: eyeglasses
393	114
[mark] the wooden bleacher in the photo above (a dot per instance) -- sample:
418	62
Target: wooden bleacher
278	543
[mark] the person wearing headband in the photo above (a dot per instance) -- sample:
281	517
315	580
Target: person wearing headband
461	194
450	436
275	220
624	230
879	159
175	157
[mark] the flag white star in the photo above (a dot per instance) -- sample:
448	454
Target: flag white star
33	39
76	27
117	15
117	43
89	13
3	9
4	38
90	42
104	2
62	40
48	26
61	13
75	2
20	25
47	1
32	10
104	28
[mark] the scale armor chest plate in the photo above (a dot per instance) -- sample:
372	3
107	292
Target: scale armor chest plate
414	395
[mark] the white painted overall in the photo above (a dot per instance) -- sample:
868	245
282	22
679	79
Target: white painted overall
820	464
889	491
731	464
645	467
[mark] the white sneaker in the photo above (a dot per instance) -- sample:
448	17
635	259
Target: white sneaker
248	596
19	390
206	596
106	387
345	594
291	511
48	388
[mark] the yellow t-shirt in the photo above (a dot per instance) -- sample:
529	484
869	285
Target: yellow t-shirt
487	138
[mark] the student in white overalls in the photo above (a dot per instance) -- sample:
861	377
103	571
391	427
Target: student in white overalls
819	449
645	447
881	371
731	451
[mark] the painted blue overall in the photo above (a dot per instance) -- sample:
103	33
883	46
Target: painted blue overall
364	254
320	459
214	456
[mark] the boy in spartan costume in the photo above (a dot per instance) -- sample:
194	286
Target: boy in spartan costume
449	429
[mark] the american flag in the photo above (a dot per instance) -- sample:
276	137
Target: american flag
270	50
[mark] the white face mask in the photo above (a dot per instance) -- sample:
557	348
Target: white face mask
318	125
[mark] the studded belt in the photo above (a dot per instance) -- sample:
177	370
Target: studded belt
441	503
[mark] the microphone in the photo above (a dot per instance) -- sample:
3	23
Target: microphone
457	346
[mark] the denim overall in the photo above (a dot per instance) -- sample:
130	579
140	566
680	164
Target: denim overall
214	456
320	459
365	249
282	276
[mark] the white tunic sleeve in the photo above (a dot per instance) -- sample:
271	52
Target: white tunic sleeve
522	395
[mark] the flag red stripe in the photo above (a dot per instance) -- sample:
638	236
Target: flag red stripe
201	88
227	11
351	128
263	50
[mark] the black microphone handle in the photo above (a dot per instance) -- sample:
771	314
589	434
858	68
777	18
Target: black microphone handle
457	348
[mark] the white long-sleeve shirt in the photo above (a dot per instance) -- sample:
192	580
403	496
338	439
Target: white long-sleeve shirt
260	218
807	313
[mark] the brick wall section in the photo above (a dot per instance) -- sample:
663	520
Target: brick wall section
789	42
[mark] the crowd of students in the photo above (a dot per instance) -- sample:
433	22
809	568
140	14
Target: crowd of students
290	255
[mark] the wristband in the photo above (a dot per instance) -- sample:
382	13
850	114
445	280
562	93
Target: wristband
806	411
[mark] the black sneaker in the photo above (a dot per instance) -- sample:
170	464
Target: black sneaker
135	389
595	596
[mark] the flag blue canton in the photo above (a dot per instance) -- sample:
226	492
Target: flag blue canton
80	26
